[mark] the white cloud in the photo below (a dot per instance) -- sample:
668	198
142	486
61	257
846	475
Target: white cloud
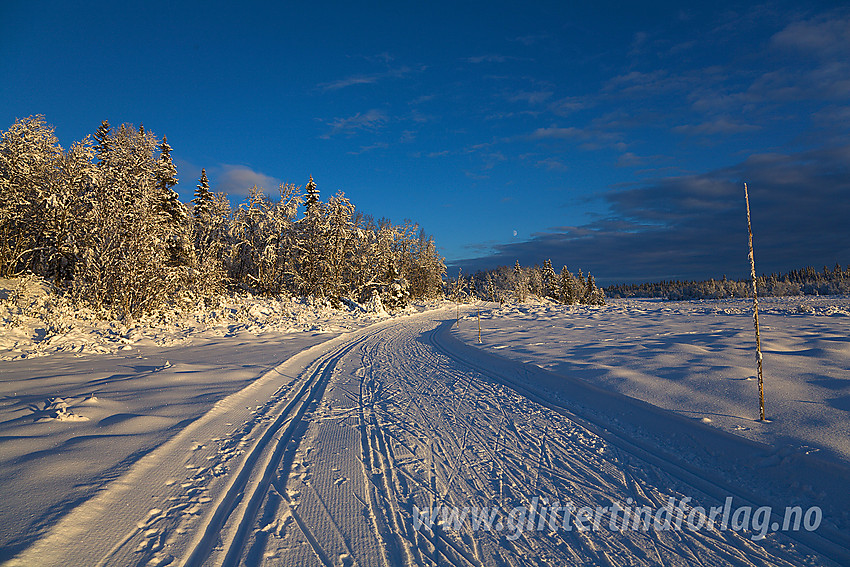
237	180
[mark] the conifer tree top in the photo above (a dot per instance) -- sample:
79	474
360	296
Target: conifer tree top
312	193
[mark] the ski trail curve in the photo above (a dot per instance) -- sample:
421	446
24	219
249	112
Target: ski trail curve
344	454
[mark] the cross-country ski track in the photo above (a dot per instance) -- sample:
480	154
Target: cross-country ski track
328	458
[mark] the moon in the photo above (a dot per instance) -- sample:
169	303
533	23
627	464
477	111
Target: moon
514	233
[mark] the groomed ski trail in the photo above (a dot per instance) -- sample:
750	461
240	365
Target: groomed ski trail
328	459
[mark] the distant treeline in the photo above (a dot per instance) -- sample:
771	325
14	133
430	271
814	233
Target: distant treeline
805	281
520	283
103	222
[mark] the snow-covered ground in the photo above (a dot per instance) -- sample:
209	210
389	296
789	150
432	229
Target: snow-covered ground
232	446
698	359
82	400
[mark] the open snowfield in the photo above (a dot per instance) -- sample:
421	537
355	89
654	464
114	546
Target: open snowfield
232	446
698	359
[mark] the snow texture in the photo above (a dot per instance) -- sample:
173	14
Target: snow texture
318	449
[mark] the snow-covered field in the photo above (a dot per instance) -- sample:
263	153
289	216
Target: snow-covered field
698	359
237	444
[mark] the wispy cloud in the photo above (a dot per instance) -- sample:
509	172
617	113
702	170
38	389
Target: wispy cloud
371	120
629	159
490	58
491	159
422	99
530	97
566	106
557	133
552	164
365	79
365	149
349	81
721	125
532	39
639	81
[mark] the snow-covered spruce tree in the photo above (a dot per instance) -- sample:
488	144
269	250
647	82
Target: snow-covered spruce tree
550	287
209	224
102	141
567	287
311	265
202	203
592	294
490	288
535	281
174	213
519	283
165	178
312	194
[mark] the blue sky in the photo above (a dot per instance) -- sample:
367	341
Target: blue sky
609	137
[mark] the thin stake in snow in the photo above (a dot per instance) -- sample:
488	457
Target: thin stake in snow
755	307
478	312
459	284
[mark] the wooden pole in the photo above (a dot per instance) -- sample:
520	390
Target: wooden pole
478	312
755	307
458	289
